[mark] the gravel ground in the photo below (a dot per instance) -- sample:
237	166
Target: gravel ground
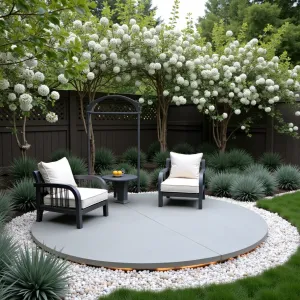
90	282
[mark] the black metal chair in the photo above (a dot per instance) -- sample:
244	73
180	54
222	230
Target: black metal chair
164	174
60	199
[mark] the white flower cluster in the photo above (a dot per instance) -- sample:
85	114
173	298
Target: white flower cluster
51	117
25	101
43	90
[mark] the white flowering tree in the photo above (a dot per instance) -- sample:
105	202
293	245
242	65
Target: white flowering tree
245	80
23	90
163	60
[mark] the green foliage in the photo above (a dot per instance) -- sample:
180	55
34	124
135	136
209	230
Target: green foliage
23	195
124	166
218	161
239	159
8	250
220	184
144	182
246	188
6	206
104	159
288	177
254	168
78	165
184	148
160	159
267	180
36	275
23	167
59	154
131	156
154	178
152	150
206	148
271	161
209	174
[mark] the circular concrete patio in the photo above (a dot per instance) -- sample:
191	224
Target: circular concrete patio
140	235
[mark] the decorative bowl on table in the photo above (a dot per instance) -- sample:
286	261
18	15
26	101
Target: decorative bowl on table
117	173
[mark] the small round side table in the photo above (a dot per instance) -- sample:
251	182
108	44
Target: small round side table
120	186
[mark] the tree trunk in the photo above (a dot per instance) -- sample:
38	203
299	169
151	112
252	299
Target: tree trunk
162	124
23	145
220	134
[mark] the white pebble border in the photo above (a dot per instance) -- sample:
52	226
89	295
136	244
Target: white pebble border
88	283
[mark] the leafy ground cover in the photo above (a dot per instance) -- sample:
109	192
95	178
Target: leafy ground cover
280	283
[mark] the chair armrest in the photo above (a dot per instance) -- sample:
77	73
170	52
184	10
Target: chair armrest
162	176
92	178
70	188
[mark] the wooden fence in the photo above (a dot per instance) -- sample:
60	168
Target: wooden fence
185	124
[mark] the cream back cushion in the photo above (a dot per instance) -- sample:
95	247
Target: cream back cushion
185	165
57	172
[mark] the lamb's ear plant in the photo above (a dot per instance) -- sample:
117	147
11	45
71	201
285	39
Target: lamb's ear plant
36	275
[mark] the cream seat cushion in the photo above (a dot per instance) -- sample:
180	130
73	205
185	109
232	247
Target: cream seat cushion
185	165
180	185
57	172
89	197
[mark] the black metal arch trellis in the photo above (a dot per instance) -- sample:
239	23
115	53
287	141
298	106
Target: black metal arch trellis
90	111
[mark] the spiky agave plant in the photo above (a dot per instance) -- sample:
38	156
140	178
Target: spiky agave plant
35	275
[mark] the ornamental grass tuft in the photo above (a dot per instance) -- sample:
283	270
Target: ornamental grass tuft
209	174
36	275
255	168
144	182
152	150
78	165
160	158
271	161
267	180
220	184
130	156
6	207
123	166
239	159
59	154
8	251
154	178
184	148
23	167
246	188
288	177
23	195
104	159
218	161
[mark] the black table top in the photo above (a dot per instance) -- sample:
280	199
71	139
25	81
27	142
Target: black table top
125	177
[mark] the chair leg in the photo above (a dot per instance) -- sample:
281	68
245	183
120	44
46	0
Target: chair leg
79	222
160	200
203	194
39	215
105	210
200	198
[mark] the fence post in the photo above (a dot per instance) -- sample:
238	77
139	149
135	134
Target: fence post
73	112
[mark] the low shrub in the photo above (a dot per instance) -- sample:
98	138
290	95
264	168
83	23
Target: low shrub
144	182
246	188
130	156
6	206
154	178
152	150
59	154
23	195
255	168
209	173
267	180
8	251
124	166
220	184
23	167
78	165
271	161
218	161
288	177
184	148
160	159
104	159
37	275
239	159
207	148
